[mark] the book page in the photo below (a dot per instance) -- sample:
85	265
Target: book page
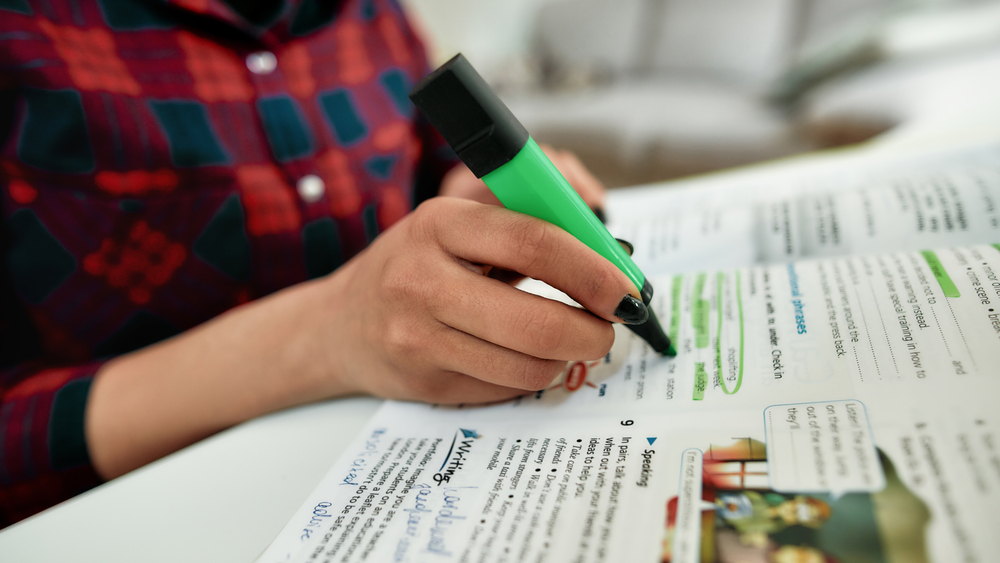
835	406
837	209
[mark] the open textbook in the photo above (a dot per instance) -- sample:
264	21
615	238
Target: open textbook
834	397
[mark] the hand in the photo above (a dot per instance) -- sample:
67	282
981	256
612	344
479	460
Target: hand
414	316
462	183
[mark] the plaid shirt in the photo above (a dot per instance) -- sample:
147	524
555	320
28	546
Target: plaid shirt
165	160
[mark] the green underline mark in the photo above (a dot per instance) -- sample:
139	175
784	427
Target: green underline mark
719	279
675	310
947	286
700	306
700	381
739	308
699	313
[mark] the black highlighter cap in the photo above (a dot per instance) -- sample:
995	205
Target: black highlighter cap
652	331
470	116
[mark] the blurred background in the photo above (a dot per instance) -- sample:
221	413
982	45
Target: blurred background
646	90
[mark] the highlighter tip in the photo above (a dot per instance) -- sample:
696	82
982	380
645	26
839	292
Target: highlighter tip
653	334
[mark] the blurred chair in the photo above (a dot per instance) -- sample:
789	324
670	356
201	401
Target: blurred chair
653	89
662	88
931	62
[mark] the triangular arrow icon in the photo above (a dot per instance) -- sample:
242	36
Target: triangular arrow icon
650	440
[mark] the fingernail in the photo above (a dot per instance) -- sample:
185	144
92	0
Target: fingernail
626	245
599	211
632	311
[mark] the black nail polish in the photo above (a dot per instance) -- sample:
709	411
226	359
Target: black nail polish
632	311
599	211
627	246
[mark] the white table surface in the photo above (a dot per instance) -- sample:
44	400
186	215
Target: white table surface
225	498
222	499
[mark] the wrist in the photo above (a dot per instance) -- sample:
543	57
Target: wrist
258	358
305	362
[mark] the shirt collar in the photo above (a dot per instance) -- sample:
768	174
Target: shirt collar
220	10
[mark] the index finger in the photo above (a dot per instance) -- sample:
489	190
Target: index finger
543	251
586	184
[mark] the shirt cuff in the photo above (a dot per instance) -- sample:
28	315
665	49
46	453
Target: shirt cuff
67	440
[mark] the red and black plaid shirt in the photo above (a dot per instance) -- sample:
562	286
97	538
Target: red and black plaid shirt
164	161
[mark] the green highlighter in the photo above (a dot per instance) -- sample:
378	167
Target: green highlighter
497	149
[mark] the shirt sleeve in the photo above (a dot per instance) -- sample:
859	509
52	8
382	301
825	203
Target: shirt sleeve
436	157
436	160
43	449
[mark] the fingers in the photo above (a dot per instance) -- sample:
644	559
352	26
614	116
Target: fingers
485	361
586	184
514	319
451	366
513	241
457	388
462	183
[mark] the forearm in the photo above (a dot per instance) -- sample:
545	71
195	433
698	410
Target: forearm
404	319
247	362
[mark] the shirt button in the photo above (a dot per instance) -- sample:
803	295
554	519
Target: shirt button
262	62
311	188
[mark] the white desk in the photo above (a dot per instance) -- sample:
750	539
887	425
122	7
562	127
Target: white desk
226	498
222	499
